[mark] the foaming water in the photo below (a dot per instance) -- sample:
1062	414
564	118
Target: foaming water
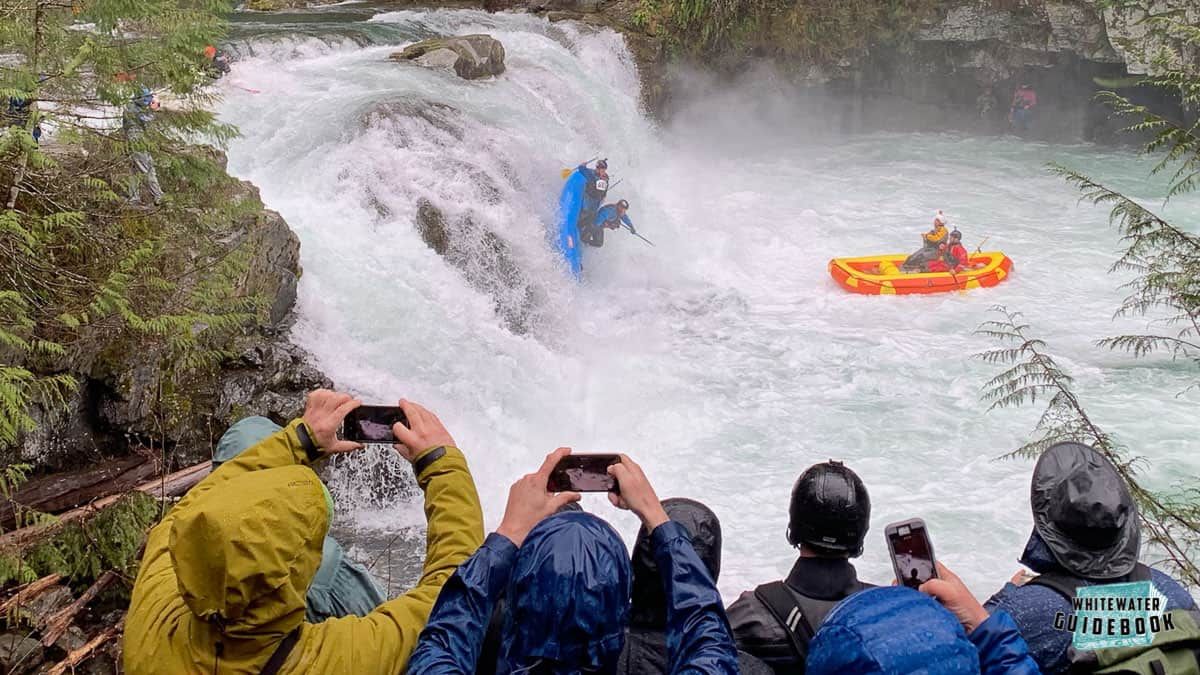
724	359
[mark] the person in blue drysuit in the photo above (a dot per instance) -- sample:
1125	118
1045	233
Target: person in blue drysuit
896	630
341	586
609	217
1086	532
568	581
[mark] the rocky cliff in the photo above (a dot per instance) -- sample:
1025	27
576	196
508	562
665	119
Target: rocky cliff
130	398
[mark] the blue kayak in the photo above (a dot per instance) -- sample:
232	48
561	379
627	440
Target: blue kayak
567	234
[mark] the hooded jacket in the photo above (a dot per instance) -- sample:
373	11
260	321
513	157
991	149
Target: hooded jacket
645	651
341	586
899	630
224	575
1033	607
568	590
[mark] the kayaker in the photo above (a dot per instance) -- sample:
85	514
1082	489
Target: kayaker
594	190
609	217
953	255
930	242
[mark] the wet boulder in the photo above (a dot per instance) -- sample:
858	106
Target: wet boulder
471	57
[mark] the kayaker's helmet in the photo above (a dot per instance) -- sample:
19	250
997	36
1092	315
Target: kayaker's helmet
145	97
940	218
955	235
210	52
830	510
623	205
602	164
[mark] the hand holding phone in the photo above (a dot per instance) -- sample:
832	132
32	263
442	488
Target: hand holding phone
636	494
373	423
911	552
583	473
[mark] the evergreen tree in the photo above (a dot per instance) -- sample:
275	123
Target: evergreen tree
84	277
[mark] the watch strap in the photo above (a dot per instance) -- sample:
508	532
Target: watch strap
311	450
427	459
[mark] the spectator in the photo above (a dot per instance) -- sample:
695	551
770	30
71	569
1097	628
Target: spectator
828	519
1023	104
341	586
18	114
138	114
568	586
646	642
222	584
1086	532
897	630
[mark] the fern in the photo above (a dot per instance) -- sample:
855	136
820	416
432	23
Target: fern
1171	519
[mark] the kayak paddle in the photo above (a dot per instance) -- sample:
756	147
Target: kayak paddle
567	172
631	231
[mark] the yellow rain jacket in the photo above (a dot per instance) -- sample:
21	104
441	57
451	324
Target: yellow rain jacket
935	236
224	576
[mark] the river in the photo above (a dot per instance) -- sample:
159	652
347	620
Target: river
724	359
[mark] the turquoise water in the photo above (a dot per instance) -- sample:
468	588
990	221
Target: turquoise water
724	359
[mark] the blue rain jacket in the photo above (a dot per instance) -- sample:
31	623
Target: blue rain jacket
1033	607
568	590
341	586
608	214
899	630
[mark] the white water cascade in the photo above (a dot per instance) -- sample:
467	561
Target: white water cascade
724	359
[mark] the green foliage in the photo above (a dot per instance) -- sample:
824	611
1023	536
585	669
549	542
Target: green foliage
83	550
1164	259
1171	518
820	32
81	274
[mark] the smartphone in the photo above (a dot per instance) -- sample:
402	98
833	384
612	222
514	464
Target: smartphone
372	423
584	473
911	551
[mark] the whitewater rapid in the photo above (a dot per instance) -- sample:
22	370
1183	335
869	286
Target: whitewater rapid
724	359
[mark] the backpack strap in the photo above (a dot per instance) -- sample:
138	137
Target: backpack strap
1065	584
281	653
784	605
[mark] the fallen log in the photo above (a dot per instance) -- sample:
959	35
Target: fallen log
30	592
61	621
63	491
78	656
171	485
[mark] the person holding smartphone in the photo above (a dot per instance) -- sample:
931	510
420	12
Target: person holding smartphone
222	584
567	580
940	629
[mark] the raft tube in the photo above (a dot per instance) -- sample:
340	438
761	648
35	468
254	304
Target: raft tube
570	201
881	275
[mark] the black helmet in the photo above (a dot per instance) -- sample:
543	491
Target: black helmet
623	204
830	510
602	164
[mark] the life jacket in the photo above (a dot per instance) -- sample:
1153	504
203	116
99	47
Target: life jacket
936	236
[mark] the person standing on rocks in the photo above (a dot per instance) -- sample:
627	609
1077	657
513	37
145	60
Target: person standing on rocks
1023	104
138	114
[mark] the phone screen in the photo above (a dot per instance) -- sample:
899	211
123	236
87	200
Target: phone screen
583	473
372	423
912	554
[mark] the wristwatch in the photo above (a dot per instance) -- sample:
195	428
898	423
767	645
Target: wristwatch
311	449
429	458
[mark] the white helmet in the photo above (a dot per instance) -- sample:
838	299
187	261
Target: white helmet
940	217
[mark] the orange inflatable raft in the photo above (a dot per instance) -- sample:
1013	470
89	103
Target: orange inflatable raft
881	275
